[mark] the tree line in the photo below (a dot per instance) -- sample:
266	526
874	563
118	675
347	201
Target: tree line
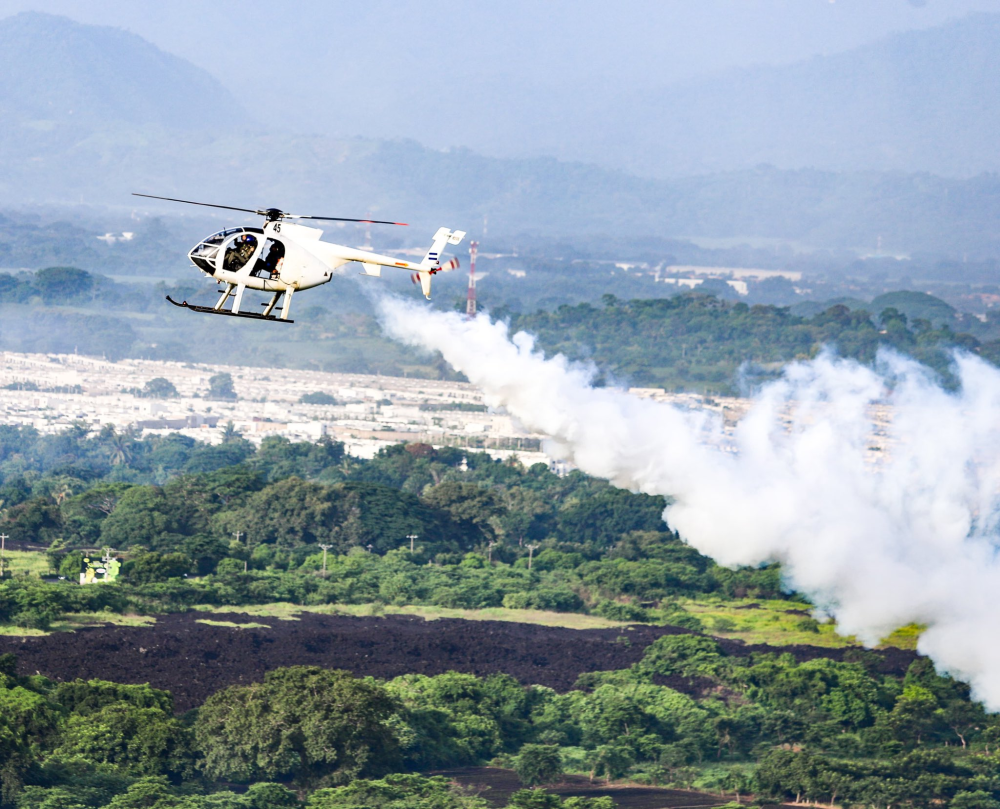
824	730
700	342
231	524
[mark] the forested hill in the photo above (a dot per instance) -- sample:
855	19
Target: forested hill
61	80
150	121
698	342
915	101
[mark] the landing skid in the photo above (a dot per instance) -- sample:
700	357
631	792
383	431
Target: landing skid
210	311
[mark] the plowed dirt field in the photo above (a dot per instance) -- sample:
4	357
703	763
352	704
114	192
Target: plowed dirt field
193	660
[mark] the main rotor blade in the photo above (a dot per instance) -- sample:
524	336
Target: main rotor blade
342	219
191	202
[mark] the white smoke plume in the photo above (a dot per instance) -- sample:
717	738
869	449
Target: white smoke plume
912	538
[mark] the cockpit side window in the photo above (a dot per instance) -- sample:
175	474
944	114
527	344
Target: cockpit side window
240	252
205	254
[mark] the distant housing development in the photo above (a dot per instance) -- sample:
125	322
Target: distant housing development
52	392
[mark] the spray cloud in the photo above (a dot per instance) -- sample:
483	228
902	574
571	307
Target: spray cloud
910	539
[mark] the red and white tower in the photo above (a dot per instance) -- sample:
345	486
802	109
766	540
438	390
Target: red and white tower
470	301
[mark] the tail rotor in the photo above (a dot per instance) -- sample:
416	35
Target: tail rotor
454	264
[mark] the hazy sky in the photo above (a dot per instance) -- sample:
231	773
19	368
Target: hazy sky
437	70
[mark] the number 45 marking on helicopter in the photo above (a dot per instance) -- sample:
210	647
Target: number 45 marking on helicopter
283	257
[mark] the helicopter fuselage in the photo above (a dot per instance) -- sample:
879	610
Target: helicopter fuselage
283	258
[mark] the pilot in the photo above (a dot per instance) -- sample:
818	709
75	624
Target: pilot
239	254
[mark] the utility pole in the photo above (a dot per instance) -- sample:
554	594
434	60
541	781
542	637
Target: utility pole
3	553
239	534
531	553
489	553
412	538
325	549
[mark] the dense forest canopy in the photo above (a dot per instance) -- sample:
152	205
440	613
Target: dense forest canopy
700	342
819	730
237	525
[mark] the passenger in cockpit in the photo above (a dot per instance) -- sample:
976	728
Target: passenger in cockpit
273	258
240	252
270	265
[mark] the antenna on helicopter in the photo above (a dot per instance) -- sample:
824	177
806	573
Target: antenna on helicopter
271	214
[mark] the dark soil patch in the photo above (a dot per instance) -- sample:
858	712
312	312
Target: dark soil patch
887	661
194	660
496	786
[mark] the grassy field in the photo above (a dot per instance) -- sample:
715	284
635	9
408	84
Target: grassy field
905	637
290	612
782	623
34	563
232	624
78	620
775	623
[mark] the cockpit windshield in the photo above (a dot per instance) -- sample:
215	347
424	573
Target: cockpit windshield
205	254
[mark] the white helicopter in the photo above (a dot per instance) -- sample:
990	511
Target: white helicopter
283	257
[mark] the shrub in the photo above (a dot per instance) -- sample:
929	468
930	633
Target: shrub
615	611
538	764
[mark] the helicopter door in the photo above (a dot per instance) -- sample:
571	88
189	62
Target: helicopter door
272	257
239	251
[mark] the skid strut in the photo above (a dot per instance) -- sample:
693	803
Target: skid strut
210	310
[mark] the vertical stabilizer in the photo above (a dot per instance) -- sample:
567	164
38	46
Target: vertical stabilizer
443	237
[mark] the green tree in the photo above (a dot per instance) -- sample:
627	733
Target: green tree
317	398
152	567
538	764
399	791
533	799
603	518
963	717
220	386
473	508
151	792
143	741
159	388
610	760
27	723
70	566
687	655
290	513
143	516
977	799
314	726
61	283
913	715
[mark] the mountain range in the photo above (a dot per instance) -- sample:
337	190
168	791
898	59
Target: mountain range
92	114
919	101
63	78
